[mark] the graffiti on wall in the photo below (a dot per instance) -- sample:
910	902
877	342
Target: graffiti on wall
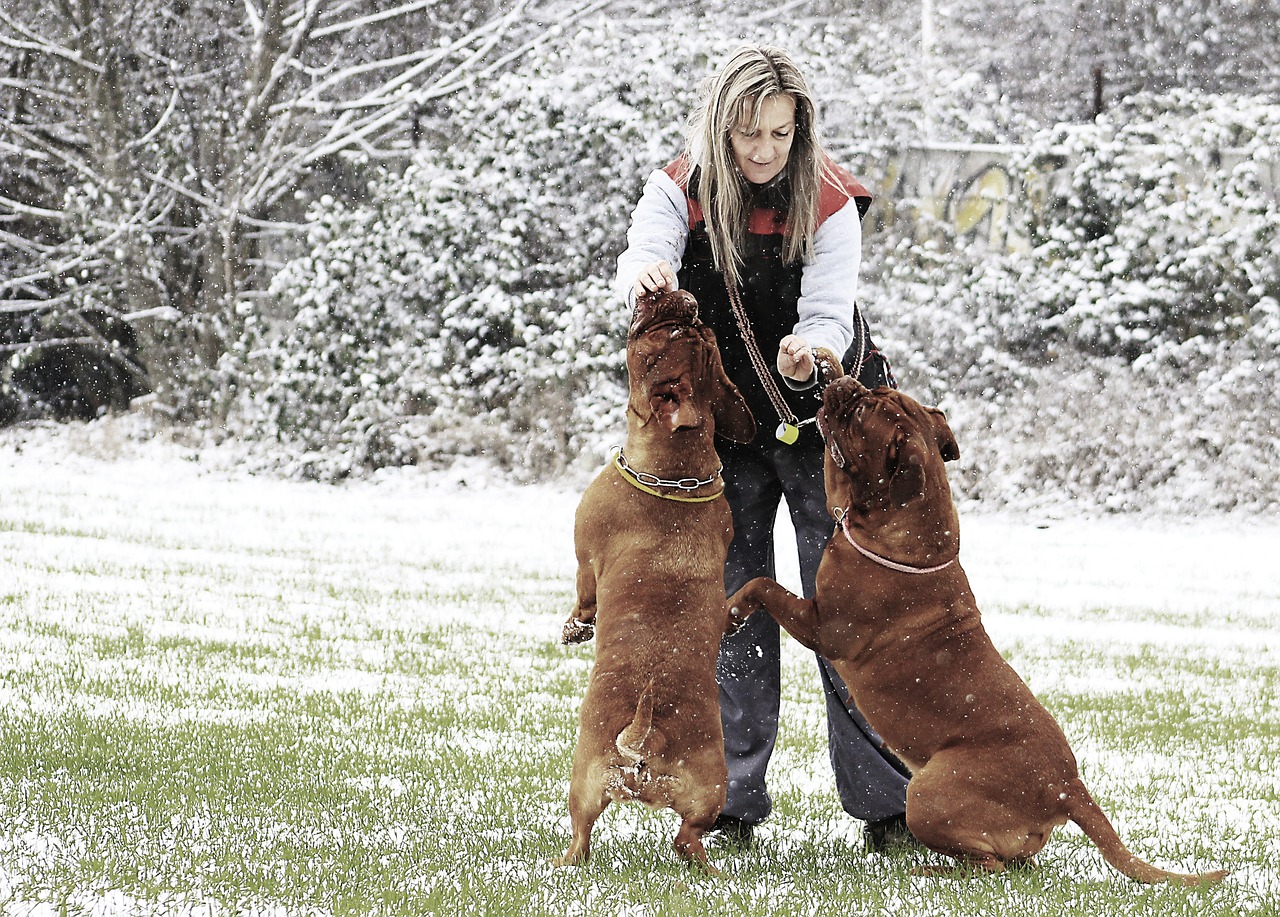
979	194
973	189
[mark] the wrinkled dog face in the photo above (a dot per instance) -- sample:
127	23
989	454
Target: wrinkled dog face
657	309
676	377
881	444
663	350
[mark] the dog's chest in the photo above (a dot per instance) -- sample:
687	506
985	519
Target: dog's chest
679	545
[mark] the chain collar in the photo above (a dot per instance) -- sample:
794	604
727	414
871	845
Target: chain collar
646	481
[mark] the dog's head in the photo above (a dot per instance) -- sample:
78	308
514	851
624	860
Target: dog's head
677	379
884	449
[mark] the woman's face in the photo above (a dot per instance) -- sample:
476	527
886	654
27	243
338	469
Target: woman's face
761	154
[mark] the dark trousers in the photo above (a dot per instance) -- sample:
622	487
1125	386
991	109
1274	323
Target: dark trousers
870	780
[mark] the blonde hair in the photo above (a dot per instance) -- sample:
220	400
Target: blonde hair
735	97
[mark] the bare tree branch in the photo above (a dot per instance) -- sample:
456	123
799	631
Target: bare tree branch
272	82
160	122
373	18
28	210
176	137
42	149
43	45
384	112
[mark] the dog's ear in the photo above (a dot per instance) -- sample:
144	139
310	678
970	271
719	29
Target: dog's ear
947	444
909	477
733	418
638	404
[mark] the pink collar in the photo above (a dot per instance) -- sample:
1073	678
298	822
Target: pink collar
884	561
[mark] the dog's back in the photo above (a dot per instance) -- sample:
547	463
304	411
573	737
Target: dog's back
659	577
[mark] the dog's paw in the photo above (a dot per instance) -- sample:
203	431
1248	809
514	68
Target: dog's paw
739	611
576	631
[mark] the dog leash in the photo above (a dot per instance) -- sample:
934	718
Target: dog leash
789	425
842	522
642	480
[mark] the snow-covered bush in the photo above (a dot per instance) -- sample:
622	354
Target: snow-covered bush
1130	352
1158	240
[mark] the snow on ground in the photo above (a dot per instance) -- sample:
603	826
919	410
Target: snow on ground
1113	583
1222	567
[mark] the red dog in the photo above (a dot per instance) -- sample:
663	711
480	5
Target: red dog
651	535
993	774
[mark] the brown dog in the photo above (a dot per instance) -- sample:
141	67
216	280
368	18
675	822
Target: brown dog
651	535
993	774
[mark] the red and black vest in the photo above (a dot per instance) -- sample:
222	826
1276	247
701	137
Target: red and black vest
770	287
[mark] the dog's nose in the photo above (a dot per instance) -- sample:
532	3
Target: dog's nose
679	305
841	395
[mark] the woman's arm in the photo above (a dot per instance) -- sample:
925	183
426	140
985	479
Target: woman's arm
829	284
659	230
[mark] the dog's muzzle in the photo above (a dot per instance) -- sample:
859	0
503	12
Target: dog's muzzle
832	446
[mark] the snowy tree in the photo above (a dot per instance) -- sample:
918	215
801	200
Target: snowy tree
154	147
1065	61
464	305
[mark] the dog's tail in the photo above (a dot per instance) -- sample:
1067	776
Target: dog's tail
633	736
1085	812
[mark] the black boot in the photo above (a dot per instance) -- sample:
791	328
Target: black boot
888	834
735	831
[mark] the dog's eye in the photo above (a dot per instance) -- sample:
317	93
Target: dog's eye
665	390
893	452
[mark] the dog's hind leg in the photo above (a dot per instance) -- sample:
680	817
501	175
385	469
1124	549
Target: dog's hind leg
689	845
952	812
585	806
688	842
698	800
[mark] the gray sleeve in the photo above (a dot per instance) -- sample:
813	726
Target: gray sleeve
659	230
829	284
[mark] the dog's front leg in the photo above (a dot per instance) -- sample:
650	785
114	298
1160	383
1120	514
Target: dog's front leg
581	625
743	604
799	616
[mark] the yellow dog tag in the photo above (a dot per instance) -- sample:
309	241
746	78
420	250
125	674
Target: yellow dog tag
787	432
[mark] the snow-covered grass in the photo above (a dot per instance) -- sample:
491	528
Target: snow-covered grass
222	694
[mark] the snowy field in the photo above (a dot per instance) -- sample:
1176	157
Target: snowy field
390	641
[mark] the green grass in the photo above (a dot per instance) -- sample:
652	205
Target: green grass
333	729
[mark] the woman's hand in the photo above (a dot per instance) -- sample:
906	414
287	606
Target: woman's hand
654	278
795	359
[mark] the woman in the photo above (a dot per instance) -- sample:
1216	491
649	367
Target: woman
754	219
